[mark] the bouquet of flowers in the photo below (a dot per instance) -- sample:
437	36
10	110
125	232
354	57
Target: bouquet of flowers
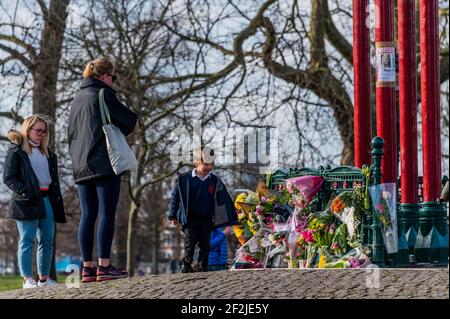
298	235
324	256
350	219
253	223
339	242
281	212
324	237
347	207
319	221
384	201
291	238
245	260
310	255
343	200
306	237
243	205
263	191
353	259
276	237
302	189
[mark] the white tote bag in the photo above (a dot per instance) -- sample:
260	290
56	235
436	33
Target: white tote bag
120	154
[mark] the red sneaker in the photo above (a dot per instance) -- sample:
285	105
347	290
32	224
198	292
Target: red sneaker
89	274
109	273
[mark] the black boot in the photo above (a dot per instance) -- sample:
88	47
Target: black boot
186	267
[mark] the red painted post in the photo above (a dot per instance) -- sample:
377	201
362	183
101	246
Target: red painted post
430	93
361	70
385	87
432	214
408	101
409	208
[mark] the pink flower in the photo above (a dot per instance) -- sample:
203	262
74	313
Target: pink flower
353	262
332	229
263	200
308	236
290	187
335	246
259	210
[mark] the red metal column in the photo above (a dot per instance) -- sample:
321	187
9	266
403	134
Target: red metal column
385	93
432	214
361	70
430	93
408	101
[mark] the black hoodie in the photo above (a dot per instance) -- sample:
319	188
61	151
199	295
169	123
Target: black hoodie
87	143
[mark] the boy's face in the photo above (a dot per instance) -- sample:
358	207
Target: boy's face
204	168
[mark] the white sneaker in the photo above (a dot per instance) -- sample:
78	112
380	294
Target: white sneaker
29	283
48	283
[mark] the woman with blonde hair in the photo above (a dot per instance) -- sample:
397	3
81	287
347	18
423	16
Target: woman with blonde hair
31	172
98	185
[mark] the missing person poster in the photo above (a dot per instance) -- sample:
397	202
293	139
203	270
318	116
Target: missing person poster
385	64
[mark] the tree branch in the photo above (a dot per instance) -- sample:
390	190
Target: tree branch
335	37
12	115
44	8
17	41
17	55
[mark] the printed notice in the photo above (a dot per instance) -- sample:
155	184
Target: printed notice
385	64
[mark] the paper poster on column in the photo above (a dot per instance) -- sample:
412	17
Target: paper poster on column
385	64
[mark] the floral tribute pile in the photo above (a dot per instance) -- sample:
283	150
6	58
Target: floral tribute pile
282	229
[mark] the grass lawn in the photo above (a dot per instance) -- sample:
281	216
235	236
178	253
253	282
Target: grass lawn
9	282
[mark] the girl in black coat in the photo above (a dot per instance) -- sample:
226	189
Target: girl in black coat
31	172
98	185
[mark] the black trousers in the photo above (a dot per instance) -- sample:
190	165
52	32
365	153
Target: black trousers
197	231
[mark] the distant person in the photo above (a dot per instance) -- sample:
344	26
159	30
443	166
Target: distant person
98	185
200	202
218	254
445	193
31	172
173	266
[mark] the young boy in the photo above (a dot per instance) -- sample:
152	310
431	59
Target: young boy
199	203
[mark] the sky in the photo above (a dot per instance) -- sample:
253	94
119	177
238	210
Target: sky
9	87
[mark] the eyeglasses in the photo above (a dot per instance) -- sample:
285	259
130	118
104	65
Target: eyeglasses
113	76
39	131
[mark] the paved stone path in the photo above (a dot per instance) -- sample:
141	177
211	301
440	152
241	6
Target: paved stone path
267	283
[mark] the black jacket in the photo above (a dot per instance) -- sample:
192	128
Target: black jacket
224	211
87	143
26	201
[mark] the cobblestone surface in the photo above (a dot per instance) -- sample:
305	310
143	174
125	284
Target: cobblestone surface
261	284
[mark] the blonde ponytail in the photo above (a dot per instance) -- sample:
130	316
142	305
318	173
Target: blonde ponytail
98	67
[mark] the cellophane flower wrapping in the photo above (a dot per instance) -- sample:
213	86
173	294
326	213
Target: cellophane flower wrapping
303	189
355	258
384	200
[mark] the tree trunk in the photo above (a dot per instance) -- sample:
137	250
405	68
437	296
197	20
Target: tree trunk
132	216
45	75
155	249
46	67
53	274
120	241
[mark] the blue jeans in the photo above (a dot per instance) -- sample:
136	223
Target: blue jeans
43	230
98	197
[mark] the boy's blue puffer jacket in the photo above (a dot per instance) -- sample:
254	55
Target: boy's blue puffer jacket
218	254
